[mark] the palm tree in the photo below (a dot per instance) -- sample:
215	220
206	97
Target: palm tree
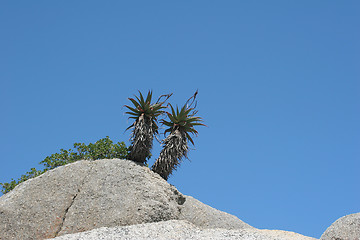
176	143
145	126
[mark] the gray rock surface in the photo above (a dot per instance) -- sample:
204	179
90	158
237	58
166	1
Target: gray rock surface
345	228
105	193
180	230
118	193
204	216
35	209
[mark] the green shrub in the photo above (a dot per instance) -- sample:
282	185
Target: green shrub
102	149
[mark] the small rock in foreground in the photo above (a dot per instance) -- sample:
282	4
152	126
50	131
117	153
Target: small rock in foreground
345	228
180	230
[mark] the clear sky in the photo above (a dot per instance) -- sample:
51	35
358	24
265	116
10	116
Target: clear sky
278	81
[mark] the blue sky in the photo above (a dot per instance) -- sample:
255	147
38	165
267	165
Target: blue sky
278	88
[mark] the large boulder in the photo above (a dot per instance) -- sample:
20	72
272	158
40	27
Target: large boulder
180	230
105	193
345	228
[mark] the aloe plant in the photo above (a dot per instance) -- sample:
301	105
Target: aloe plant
181	123
145	125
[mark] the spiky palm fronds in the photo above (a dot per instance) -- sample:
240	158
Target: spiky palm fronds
145	125
183	120
180	124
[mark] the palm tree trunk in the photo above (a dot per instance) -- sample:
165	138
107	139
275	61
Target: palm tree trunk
142	140
174	150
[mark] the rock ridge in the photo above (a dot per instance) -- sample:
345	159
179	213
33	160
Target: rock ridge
112	194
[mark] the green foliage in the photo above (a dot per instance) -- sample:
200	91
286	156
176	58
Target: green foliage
102	149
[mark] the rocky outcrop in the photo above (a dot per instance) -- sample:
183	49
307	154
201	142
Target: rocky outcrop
105	193
345	228
205	216
115	199
180	230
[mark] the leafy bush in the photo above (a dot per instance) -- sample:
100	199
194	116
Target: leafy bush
102	149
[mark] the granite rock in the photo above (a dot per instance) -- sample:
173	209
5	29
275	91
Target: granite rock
345	228
204	216
180	230
86	195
